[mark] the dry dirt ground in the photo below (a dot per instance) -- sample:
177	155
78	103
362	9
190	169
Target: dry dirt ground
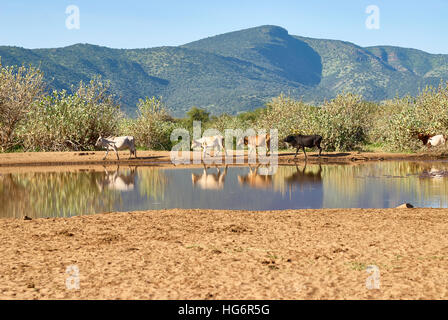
205	254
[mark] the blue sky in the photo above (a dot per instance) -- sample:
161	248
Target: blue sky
141	24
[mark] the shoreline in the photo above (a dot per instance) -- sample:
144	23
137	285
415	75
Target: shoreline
221	254
39	159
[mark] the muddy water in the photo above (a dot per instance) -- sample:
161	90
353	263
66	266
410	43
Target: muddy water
367	185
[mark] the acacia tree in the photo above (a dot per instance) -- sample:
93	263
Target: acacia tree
20	87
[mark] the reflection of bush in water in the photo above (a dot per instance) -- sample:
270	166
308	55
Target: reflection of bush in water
152	182
12	197
349	181
54	194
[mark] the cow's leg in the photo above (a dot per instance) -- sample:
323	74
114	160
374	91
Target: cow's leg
320	150
107	152
216	150
297	151
306	157
253	149
116	152
268	142
225	151
208	147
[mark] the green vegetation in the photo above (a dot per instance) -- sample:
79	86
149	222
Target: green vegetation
19	89
34	121
152	127
197	114
239	71
64	121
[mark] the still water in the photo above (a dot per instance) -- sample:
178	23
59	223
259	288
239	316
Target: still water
88	191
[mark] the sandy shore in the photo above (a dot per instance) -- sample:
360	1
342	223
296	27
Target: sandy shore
204	254
163	157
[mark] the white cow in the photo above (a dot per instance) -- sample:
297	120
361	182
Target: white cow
436	141
213	142
117	180
117	143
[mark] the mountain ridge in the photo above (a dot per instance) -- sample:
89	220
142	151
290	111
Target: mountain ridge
240	70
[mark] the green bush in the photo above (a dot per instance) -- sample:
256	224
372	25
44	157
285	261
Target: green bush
65	121
288	116
403	119
153	126
344	122
20	88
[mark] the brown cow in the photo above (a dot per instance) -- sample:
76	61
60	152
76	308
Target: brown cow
424	137
252	142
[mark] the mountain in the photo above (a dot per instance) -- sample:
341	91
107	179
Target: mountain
240	70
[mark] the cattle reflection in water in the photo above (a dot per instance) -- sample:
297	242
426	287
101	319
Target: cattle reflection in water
434	174
256	180
118	180
305	177
209	181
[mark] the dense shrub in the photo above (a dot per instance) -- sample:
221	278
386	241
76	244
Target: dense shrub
19	89
344	122
288	116
404	118
152	127
226	121
65	121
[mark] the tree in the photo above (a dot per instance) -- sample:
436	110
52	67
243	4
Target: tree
198	114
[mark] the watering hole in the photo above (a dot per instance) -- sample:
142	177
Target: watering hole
64	193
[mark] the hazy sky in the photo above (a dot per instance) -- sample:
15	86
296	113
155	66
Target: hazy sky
141	24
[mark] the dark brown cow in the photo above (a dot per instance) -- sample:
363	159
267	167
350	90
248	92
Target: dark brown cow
424	137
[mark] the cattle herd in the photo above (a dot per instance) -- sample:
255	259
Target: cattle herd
216	143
